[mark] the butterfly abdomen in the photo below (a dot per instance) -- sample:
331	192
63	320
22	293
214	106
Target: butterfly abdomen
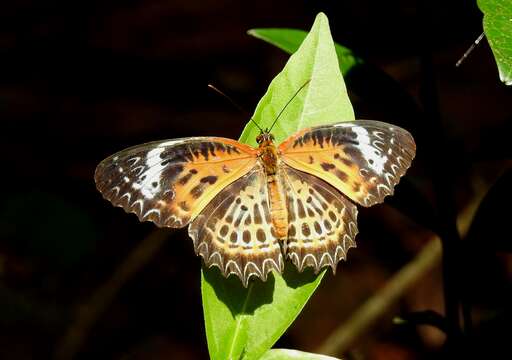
278	209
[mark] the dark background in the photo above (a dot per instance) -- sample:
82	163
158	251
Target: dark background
80	80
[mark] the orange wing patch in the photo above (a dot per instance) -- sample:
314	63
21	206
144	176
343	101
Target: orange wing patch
170	182
364	159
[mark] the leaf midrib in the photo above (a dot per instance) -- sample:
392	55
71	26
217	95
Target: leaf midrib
239	321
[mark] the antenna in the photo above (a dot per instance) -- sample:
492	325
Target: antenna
288	103
234	104
470	49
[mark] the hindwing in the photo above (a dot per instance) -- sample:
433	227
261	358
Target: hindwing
234	231
322	221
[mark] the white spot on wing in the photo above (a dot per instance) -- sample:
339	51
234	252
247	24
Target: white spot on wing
134	160
372	155
343	124
379	135
171	142
153	174
151	211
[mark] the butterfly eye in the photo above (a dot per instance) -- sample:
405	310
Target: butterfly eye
259	138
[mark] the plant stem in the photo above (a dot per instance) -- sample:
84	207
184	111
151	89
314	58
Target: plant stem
442	171
90	311
366	315
340	340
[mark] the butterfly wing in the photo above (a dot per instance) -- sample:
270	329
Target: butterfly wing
170	182
234	231
364	159
322	221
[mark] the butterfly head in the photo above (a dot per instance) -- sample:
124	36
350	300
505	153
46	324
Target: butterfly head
264	138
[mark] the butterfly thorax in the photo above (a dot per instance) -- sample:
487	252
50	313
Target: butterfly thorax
268	156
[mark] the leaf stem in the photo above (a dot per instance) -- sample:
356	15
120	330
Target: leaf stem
442	172
93	308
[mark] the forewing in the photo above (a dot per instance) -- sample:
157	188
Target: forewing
364	159
170	182
322	221
234	231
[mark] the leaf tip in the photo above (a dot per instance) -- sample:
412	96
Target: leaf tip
321	17
322	21
505	78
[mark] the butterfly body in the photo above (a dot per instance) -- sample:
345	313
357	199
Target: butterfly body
249	209
268	155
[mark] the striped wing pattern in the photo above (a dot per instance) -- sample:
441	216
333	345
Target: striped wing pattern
234	232
322	221
364	159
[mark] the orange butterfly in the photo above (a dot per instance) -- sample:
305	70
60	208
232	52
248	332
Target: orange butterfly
250	208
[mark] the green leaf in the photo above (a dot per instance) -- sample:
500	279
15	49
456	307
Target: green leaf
286	354
324	100
245	323
289	40
498	30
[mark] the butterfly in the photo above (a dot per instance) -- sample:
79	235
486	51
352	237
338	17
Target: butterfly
251	208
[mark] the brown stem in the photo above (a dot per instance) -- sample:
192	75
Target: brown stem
90	311
374	308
